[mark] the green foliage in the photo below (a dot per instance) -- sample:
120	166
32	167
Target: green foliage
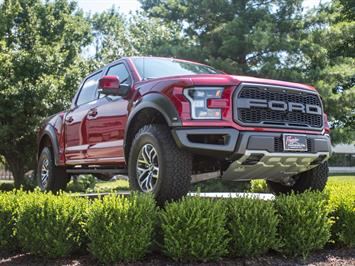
344	227
259	186
194	229
120	229
342	208
330	50
117	36
252	225
82	183
41	67
8	203
250	36
304	222
7	186
221	186
273	39
50	226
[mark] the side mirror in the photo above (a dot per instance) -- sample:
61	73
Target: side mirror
110	85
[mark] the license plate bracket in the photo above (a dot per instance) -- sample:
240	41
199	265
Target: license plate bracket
295	142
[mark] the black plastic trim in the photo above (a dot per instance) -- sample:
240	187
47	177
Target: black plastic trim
50	132
264	141
214	150
235	107
158	102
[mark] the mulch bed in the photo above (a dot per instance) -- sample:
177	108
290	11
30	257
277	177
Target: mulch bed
325	257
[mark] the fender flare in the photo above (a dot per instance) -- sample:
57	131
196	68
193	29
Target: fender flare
50	132
160	103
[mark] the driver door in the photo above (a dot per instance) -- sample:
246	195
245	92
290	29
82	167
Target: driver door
76	144
105	131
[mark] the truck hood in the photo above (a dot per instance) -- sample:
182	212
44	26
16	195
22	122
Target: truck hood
201	80
159	84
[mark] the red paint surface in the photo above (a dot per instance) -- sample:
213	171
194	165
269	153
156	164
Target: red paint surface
99	139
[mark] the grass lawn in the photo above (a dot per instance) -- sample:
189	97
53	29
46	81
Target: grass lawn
103	186
341	178
6	181
123	184
347	181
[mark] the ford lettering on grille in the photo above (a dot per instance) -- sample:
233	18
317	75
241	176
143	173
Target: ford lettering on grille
273	106
279	106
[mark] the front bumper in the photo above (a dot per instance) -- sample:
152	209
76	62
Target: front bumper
253	155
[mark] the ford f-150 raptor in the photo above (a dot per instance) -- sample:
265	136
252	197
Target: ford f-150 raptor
163	121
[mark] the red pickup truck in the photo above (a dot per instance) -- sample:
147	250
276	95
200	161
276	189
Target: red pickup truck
163	121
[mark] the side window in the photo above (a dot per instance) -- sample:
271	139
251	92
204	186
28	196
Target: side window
88	90
121	72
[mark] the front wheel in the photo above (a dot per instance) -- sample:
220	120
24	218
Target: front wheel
314	179
157	166
49	176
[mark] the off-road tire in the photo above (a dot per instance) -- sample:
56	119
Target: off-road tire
175	165
314	179
57	176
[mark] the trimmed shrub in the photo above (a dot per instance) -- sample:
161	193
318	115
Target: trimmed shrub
82	183
252	225
304	224
344	227
50	226
121	229
8	206
194	229
259	186
7	186
342	207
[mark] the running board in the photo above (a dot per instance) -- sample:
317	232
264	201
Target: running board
97	171
205	176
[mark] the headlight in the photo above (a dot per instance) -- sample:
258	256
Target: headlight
198	100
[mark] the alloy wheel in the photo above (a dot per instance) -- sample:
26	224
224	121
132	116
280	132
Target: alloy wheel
147	168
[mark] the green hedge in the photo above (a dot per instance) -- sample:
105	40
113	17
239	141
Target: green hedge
304	222
121	229
194	229
8	218
118	229
50	226
252	225
342	208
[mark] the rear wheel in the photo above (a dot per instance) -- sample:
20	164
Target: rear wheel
157	166
314	179
49	176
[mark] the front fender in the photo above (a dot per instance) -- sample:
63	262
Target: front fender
160	103
50	132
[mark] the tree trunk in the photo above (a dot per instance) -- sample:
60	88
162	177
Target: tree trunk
17	168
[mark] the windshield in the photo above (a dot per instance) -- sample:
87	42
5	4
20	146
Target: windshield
150	68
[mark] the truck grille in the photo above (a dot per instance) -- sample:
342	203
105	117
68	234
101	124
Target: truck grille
259	115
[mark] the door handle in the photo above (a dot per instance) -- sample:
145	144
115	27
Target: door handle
69	119
92	113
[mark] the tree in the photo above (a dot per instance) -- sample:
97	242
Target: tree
330	50
117	36
40	47
274	39
258	37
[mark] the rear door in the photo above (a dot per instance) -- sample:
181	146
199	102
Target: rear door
76	143
106	130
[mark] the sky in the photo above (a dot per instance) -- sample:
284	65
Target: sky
126	6
94	6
